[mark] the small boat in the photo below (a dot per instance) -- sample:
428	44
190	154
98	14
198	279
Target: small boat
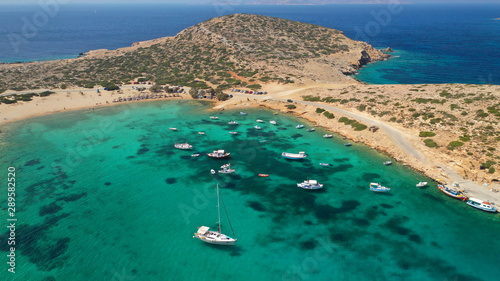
299	126
183	146
215	237
324	164
260	121
273	122
455	193
243	113
214	117
226	169
387	163
310	184
212	172
422	184
378	187
326	136
311	130
195	155
201	133
481	205
233	123
257	127
173	129
263	141
218	154
275	113
233	133
263	175
294	156
347	144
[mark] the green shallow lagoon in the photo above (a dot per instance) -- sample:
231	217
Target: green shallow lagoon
104	195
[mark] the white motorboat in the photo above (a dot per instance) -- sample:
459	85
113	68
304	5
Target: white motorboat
212	171
226	169
233	133
183	146
273	122
243	113
173	129
257	127
214	117
378	187
215	237
310	184
326	136
260	121
299	126
294	156
195	155
201	133
481	205
387	163
218	154
311	130
422	184
324	164
233	123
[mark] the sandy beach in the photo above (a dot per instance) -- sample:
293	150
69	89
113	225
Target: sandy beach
393	140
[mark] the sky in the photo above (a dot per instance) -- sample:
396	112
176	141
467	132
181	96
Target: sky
36	2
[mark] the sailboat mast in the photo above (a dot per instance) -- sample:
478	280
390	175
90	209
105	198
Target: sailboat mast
218	205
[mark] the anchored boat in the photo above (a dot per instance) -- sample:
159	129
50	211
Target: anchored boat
377	187
326	136
226	169
481	205
215	237
455	193
310	184
294	156
218	154
183	146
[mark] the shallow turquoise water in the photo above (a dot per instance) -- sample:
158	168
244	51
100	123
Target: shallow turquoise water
104	195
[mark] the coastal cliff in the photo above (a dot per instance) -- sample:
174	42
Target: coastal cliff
223	52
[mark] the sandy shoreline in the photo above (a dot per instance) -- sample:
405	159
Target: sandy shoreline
390	139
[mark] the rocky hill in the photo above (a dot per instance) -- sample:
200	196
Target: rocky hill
228	51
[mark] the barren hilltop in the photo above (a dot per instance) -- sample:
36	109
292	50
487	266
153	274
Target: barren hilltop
222	52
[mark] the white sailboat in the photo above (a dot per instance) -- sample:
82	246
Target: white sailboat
215	237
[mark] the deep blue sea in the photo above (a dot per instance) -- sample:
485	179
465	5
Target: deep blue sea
433	43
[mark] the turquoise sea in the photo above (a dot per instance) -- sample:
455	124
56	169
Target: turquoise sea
104	195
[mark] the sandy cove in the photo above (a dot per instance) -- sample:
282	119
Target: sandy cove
391	139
